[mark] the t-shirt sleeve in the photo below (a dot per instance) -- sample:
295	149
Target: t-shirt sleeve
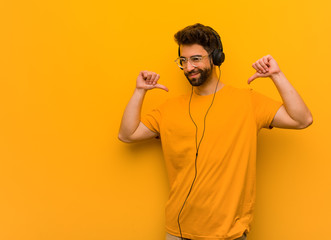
152	120
264	109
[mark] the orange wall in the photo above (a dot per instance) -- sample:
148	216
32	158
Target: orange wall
67	70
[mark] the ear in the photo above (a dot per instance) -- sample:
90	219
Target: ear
211	62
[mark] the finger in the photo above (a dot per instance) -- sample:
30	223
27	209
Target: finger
157	77
259	66
143	74
256	67
154	78
266	60
161	87
263	64
148	78
252	78
151	80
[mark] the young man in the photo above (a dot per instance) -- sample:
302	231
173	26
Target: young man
209	137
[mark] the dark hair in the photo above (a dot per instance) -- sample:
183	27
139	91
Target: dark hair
198	34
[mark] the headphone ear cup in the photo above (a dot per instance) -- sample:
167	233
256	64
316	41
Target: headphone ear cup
222	57
218	57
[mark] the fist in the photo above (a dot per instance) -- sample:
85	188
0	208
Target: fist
265	67
149	80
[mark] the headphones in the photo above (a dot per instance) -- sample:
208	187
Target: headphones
217	54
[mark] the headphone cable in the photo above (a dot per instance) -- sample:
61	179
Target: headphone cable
197	146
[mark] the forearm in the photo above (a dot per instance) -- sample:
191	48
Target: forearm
293	103
131	115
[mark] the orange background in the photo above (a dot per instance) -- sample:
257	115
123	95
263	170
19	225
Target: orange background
67	71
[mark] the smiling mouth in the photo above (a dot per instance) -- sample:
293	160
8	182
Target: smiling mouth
194	74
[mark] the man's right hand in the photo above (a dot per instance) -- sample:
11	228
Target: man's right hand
148	80
132	129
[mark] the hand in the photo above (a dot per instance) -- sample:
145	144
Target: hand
265	67
148	80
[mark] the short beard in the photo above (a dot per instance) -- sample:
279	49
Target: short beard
204	75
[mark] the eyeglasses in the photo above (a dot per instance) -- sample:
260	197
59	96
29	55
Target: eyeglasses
194	60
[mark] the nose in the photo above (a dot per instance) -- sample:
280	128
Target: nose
189	66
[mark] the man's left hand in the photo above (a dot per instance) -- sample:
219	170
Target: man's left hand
265	67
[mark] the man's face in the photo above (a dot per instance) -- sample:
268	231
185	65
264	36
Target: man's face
202	71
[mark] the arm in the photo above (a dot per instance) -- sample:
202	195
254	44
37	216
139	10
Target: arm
294	113
131	129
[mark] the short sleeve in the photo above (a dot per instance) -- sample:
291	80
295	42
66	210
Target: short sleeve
152	120
264	109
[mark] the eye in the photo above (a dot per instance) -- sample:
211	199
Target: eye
196	59
183	60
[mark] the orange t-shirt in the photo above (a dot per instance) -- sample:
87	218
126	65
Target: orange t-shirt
220	205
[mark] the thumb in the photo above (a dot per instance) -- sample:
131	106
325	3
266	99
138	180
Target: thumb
161	87
143	74
256	75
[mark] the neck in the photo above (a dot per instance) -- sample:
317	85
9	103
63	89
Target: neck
209	86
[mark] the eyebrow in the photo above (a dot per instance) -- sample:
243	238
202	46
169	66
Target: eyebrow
192	56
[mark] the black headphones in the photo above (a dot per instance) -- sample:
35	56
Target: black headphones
217	54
